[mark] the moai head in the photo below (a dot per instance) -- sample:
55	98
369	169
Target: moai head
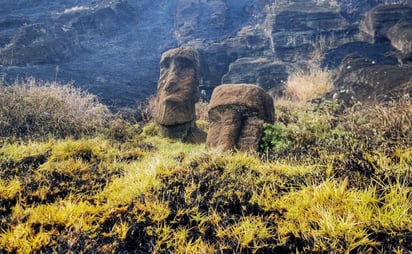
177	92
236	115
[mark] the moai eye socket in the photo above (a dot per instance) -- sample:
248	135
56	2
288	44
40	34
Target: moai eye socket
184	62
165	63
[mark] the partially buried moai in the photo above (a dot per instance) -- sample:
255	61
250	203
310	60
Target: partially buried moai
177	94
236	114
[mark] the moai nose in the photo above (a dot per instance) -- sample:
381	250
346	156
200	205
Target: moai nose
231	124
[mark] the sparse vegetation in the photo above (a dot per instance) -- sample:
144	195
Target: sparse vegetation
330	180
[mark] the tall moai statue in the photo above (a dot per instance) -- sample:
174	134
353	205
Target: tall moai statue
177	94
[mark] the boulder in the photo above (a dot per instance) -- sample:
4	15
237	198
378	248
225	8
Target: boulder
380	53
371	82
400	36
177	93
261	71
381	19
236	115
216	57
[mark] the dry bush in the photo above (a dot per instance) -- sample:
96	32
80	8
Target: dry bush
33	108
308	85
202	108
147	108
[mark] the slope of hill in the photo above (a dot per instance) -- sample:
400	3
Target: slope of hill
112	48
329	179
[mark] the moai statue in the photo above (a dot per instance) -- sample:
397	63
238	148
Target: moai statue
236	115
177	93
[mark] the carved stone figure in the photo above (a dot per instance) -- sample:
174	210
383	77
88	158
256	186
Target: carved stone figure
236	115
177	93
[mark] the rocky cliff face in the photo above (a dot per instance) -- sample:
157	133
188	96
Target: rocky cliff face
112	48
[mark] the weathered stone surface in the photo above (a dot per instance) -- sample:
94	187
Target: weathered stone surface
215	57
40	44
370	82
236	114
104	20
381	19
261	71
177	93
400	36
120	43
380	54
112	47
297	33
391	23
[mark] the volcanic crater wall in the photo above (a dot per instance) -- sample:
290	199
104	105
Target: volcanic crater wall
112	48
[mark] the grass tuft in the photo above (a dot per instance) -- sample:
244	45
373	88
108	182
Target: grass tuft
308	85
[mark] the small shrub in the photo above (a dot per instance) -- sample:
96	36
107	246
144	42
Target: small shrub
36	108
202	108
301	128
274	138
147	108
151	130
122	130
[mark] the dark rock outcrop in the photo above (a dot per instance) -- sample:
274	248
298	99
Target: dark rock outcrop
381	54
112	47
400	36
371	82
261	71
215	57
379	20
102	21
391	23
297	33
236	114
40	44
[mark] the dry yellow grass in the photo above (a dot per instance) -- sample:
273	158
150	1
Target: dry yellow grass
308	85
339	185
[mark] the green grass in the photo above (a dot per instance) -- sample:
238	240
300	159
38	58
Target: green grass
329	180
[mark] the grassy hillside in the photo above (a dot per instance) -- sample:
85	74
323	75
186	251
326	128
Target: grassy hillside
329	179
